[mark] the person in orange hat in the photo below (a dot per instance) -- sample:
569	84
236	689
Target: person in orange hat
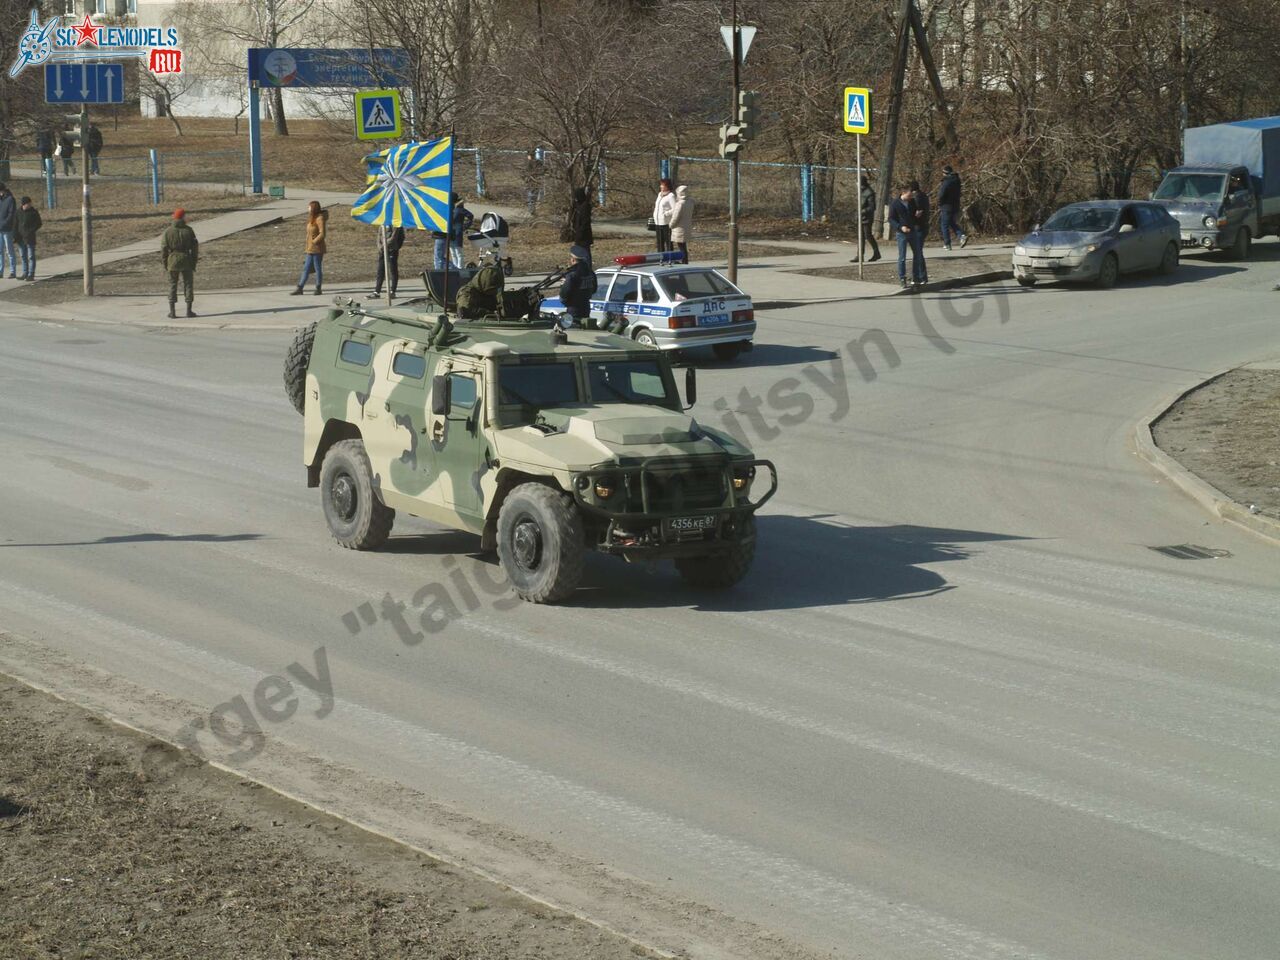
179	250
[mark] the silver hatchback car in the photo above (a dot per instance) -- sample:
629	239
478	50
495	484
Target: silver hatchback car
1097	241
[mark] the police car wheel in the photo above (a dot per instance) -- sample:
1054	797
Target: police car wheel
727	351
719	571
540	543
646	337
357	519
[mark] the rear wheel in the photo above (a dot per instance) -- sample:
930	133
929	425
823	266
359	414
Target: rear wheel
296	362
540	543
1109	272
727	351
646	337
1169	262
1244	242
719	571
357	519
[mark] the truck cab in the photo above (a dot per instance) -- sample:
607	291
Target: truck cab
1214	204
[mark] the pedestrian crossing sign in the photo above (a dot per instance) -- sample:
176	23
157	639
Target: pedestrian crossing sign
857	110
377	114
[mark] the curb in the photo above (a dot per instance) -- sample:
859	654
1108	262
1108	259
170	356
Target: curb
1204	493
971	281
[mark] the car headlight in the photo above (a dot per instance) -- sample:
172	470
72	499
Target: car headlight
1019	251
1087	249
605	487
1210	222
742	477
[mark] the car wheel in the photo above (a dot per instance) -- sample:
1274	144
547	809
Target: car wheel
1244	241
719	571
540	543
357	519
646	337
1109	272
1026	281
727	352
1169	263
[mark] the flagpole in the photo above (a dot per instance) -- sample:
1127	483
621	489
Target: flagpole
448	238
386	258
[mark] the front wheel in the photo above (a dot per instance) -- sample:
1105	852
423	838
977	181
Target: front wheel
1109	272
727	352
1244	242
540	543
1169	262
1026	281
357	519
719	571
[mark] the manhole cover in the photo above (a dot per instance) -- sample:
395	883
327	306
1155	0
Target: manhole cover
1191	551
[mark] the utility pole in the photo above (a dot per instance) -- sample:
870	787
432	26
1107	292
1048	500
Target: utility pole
86	216
733	160
1182	71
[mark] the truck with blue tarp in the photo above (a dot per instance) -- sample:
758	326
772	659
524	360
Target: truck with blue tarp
1226	194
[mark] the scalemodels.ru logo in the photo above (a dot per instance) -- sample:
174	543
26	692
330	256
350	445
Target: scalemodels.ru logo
50	43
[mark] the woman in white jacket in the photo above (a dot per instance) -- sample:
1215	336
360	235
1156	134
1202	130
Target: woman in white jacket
682	221
662	214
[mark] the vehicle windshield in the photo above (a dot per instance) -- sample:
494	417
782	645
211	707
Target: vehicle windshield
1191	186
626	381
549	384
1082	219
690	284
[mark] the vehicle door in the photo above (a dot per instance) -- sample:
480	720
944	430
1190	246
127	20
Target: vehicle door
1129	244
399	451
1238	201
624	297
600	299
1152	235
458	443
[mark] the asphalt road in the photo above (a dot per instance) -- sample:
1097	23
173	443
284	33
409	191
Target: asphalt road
961	707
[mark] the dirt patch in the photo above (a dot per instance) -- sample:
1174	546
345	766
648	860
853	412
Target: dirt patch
271	255
1228	433
101	858
943	266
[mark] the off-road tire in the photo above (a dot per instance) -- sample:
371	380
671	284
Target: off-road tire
540	543
1242	245
1026	281
1169	262
1109	272
357	518
645	336
719	571
296	362
727	352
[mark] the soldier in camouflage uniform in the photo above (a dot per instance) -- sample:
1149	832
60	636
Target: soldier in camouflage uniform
481	295
179	251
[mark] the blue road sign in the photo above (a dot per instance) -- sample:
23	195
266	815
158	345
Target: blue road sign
312	67
84	83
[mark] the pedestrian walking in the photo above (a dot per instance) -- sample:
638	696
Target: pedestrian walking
460	221
26	225
661	218
867	212
179	252
66	150
580	221
577	288
393	239
44	146
8	220
902	220
93	147
949	208
317	228
682	221
533	169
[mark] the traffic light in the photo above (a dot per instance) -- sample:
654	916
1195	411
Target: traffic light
730	140
748	113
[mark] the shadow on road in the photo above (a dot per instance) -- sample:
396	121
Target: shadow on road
148	538
763	355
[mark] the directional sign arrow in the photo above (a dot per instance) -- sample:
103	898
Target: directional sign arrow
57	80
109	75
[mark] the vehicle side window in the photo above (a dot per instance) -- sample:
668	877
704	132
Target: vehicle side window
462	392
602	286
625	287
649	290
1147	218
1127	216
357	352
409	365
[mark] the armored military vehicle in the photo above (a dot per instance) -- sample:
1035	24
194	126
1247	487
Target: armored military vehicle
544	443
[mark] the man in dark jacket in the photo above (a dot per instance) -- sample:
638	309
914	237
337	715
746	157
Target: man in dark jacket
26	223
459	223
902	220
393	237
8	216
920	209
180	251
580	221
44	145
93	147
67	150
577	288
949	208
867	212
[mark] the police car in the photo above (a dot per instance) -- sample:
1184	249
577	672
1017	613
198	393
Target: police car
671	305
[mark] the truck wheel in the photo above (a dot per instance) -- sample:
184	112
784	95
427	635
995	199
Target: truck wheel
1240	249
357	519
720	571
1169	262
540	543
296	362
728	352
1109	272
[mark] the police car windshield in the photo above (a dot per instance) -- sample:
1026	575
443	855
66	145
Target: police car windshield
538	384
690	284
626	381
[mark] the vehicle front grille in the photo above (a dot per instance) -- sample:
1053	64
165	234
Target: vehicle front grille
689	488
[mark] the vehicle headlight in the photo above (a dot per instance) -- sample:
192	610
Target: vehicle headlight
1087	249
1019	251
605	487
742	478
1210	222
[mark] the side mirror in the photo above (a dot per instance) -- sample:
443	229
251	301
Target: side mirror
1151	196
1036	228
1127	228
691	386
439	396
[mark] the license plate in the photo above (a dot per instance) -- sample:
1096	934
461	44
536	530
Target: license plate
691	524
1046	264
714	320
